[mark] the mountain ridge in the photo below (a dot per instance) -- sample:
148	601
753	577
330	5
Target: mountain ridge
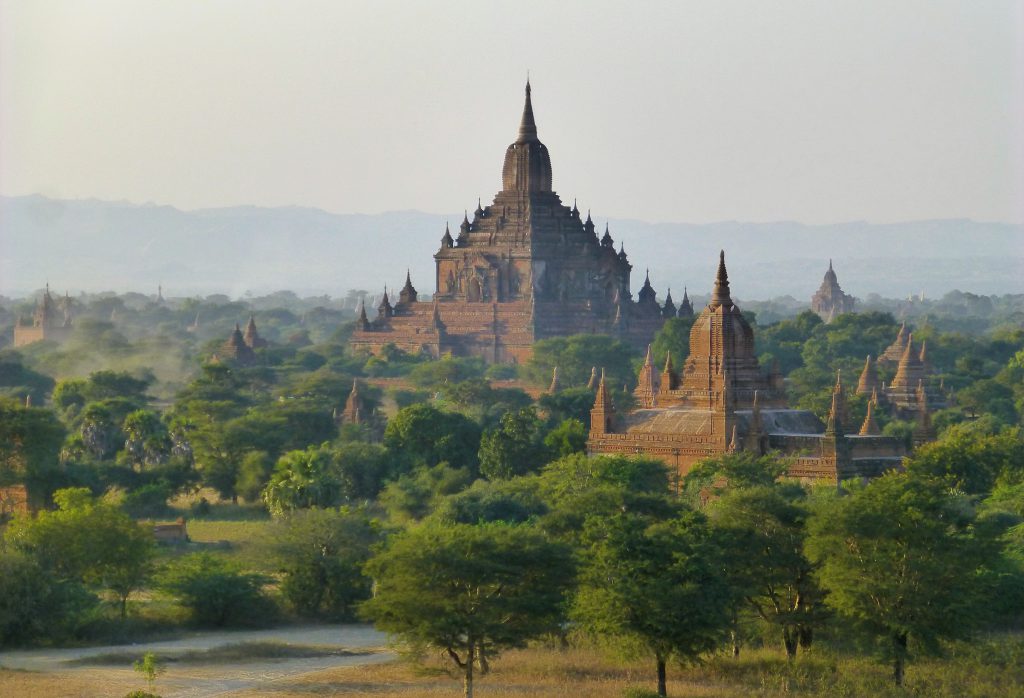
93	245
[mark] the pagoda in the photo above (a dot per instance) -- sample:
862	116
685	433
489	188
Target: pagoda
525	267
724	402
830	300
50	321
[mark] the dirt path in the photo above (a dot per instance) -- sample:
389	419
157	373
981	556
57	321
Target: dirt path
182	680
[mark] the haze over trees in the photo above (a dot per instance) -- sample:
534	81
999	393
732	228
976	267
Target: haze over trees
476	475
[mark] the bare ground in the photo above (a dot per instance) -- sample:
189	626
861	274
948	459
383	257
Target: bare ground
66	672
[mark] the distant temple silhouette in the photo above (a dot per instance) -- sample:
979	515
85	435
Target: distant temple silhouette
830	300
50	321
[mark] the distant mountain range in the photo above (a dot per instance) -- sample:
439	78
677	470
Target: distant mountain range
95	245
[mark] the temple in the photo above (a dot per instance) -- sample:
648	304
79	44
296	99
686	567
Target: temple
830	300
50	321
524	268
912	390
722	401
240	349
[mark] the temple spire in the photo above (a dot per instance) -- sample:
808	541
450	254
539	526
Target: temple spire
720	294
870	426
527	126
556	384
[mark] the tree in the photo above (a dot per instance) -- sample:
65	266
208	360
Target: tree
972	458
216	590
515	447
512	501
763	531
30	442
412	495
303	479
576	486
571	403
567	438
423	435
469	590
576	355
321	553
147	442
897	557
34	603
674	337
88	540
655	585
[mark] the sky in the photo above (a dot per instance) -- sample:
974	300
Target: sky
816	112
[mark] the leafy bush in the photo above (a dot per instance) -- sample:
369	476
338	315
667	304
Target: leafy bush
148	501
35	604
216	591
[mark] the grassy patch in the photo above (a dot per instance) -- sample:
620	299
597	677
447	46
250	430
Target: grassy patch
237	653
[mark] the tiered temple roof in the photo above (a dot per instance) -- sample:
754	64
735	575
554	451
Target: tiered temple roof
525	267
724	402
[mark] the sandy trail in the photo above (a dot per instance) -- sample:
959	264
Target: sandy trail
183	681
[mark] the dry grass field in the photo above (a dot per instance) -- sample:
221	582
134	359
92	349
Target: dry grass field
988	671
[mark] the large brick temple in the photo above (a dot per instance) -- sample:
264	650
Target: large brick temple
526	267
722	401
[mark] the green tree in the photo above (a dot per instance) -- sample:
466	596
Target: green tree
654	585
515	447
567	438
30	442
253	475
321	553
469	590
973	458
147	442
35	603
570	403
423	435
577	486
576	355
513	501
411	496
763	530
304	479
674	336
88	540
897	557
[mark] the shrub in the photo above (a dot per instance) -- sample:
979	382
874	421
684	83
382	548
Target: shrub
216	591
35	604
148	501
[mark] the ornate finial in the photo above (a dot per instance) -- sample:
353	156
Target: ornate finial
720	294
527	126
668	362
647	359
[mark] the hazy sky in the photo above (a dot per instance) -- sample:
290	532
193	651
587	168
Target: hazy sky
687	111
